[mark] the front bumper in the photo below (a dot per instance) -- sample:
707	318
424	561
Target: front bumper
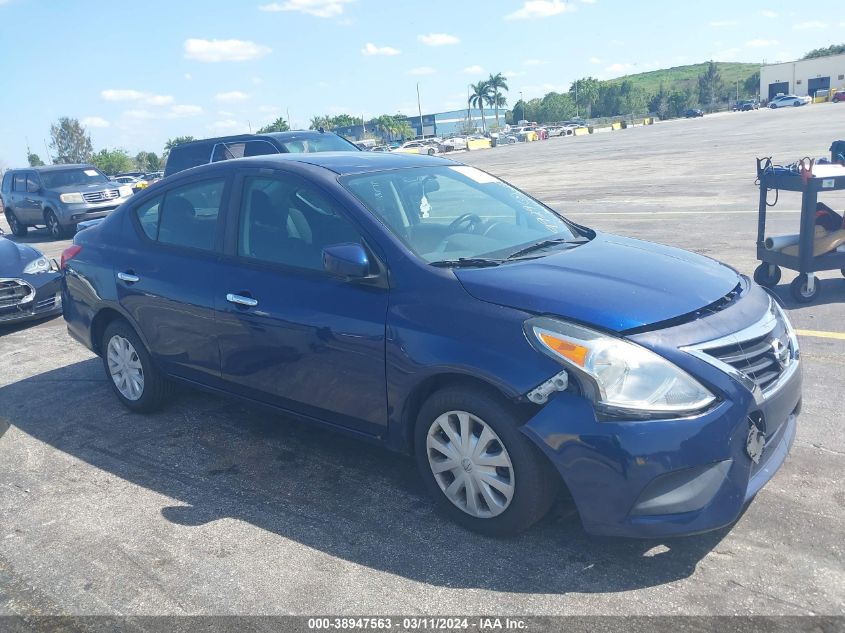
75	213
47	300
661	478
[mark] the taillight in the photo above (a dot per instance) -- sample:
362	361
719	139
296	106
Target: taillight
69	253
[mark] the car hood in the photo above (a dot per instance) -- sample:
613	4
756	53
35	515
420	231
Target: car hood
612	282
97	186
13	257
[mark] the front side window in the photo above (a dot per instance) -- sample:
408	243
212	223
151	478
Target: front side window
285	220
453	212
186	216
73	177
20	182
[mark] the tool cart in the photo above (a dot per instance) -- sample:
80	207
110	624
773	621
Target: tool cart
810	181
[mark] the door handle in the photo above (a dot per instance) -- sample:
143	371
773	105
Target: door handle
240	300
128	278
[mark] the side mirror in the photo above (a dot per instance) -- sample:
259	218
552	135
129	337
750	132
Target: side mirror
347	260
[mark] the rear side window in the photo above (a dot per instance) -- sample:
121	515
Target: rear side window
20	182
148	217
184	157
188	215
226	151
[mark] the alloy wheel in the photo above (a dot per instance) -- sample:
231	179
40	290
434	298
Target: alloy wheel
470	464
125	367
53	225
12	219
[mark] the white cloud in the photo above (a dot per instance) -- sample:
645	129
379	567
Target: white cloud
619	68
473	70
147	98
227	125
371	49
422	70
514	73
188	77
761	43
257	81
534	9
231	97
225	113
720	23
768	14
534	62
268	109
223	50
810	24
94	121
588	1
183	110
594	60
317	8
438	39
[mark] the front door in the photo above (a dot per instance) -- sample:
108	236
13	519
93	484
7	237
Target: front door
291	334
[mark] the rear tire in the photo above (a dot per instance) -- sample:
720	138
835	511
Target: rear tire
138	384
18	229
508	459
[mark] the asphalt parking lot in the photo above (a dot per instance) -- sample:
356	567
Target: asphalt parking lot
212	507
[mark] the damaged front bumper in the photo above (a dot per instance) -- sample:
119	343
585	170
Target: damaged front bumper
665	477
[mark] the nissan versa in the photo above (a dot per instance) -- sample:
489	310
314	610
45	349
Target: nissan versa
430	307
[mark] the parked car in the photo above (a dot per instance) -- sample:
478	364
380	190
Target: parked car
838	96
432	308
133	181
58	197
692	113
29	283
417	147
745	106
212	150
153	176
783	101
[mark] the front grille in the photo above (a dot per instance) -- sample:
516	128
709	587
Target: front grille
101	196
13	293
763	358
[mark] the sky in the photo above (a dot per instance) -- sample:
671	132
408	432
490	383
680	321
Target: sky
138	73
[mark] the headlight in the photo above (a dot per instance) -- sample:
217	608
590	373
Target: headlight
71	198
124	190
40	265
622	377
790	331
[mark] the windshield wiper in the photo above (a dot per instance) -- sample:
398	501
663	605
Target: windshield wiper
545	244
466	262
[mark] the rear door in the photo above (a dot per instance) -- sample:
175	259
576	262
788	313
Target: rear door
291	334
167	283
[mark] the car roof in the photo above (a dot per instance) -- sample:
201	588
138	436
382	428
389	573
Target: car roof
281	136
45	168
340	163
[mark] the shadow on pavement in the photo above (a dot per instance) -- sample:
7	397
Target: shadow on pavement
221	458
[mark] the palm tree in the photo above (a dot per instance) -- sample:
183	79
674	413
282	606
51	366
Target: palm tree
498	83
479	97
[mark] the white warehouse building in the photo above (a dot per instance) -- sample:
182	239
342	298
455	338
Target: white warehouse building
802	77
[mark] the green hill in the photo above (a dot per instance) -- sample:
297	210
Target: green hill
682	77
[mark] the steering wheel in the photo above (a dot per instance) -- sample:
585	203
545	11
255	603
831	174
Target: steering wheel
470	219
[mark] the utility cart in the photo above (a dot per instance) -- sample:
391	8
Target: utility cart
809	180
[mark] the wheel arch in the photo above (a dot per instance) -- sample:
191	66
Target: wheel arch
102	319
435	382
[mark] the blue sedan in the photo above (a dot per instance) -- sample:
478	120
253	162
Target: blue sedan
432	308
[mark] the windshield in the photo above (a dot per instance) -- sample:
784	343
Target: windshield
317	143
453	212
71	178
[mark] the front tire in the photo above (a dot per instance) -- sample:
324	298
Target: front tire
138	384
55	229
482	472
18	229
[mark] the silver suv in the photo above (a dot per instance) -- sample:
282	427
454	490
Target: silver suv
58	197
